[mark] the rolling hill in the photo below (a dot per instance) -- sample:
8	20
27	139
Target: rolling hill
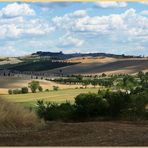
130	66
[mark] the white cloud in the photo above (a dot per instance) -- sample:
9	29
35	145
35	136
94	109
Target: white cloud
21	27
126	27
145	3
9	50
110	4
68	41
79	13
15	10
14	24
144	12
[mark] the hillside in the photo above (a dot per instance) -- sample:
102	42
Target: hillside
56	64
129	66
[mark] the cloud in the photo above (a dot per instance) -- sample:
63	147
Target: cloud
145	3
16	10
53	4
144	12
110	4
9	50
69	41
20	27
15	24
127	27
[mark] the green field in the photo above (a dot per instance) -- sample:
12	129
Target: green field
53	96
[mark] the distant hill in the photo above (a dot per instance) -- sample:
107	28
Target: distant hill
62	56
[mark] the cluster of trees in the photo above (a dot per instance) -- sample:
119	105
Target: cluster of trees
121	81
23	90
105	104
107	82
34	87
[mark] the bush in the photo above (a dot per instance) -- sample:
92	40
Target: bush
40	88
10	92
17	91
55	88
103	104
118	103
46	90
138	107
52	111
24	90
90	105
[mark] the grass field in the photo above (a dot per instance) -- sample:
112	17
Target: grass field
53	96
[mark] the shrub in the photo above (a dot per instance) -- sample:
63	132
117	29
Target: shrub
40	88
52	111
24	90
118	102
55	88
138	107
17	91
10	92
90	105
46	90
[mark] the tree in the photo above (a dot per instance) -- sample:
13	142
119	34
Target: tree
10	92
24	90
55	88
40	88
103	75
85	83
34	85
94	82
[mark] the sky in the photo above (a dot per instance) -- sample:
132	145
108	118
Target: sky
109	27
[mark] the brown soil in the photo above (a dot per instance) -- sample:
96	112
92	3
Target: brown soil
80	134
129	66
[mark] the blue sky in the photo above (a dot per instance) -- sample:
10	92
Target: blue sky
110	27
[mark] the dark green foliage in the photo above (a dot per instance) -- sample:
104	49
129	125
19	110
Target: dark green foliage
34	85
39	65
56	88
90	105
17	91
52	111
104	104
138	107
46	90
118	103
24	90
103	75
40	88
10	92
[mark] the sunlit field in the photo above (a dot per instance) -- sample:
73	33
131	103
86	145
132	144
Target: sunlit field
53	96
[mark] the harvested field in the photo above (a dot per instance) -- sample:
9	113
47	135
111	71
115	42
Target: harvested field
9	61
91	59
129	66
80	134
15	82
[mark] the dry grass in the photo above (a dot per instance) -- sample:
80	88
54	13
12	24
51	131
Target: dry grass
14	82
9	61
13	116
90	59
